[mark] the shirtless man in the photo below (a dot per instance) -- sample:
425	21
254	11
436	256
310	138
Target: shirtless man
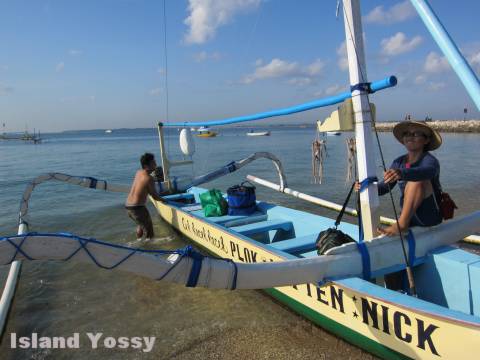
143	185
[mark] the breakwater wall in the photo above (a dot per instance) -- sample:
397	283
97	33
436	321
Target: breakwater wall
461	126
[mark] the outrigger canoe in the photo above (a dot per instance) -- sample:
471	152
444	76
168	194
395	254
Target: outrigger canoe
442	322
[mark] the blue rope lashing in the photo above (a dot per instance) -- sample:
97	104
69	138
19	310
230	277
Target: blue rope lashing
367	181
411	247
367	87
93	182
18	248
173	267
235	272
196	266
362	248
360	227
231	167
84	242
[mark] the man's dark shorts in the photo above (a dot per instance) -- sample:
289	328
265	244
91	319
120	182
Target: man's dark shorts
141	216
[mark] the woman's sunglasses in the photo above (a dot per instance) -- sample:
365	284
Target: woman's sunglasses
415	134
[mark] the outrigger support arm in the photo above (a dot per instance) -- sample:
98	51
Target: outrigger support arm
450	50
183	185
386	83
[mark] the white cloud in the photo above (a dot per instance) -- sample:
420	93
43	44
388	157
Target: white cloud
397	13
60	67
276	68
315	68
206	16
5	90
155	92
75	52
434	63
334	89
435	86
474	60
294	72
300	81
399	44
420	79
203	56
342	56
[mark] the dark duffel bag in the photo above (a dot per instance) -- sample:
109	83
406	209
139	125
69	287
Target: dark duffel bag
241	199
331	238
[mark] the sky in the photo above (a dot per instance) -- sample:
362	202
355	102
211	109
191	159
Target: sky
100	64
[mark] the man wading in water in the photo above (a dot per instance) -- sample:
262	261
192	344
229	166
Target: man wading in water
143	185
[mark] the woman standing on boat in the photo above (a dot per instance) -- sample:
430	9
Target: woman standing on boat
417	174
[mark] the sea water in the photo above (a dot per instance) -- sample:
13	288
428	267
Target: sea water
56	299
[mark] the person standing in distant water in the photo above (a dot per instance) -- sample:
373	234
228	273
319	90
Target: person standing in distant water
418	176
143	185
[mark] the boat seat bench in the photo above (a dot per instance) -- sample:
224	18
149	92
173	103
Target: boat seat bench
263	226
296	245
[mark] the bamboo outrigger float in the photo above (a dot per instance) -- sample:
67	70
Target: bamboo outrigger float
274	248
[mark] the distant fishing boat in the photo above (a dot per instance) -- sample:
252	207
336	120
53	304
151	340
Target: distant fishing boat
333	133
258	133
108	131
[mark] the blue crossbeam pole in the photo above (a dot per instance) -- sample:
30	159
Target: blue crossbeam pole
449	49
374	86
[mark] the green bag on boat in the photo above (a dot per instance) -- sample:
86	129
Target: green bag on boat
213	203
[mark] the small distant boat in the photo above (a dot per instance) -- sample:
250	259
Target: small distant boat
108	131
333	133
206	132
258	133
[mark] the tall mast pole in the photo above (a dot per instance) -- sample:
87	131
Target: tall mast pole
362	114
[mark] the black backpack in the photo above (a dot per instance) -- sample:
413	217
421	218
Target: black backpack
333	237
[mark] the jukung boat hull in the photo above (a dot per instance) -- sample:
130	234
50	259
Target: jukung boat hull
384	322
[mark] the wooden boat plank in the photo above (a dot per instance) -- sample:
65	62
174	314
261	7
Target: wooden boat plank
296	245
263	226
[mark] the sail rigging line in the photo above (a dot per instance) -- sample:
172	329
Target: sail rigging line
165	51
408	268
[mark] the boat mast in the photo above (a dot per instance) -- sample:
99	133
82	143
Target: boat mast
363	117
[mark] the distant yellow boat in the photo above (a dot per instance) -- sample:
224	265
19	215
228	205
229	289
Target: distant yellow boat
205	132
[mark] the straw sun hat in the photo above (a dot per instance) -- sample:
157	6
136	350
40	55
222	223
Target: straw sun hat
434	135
